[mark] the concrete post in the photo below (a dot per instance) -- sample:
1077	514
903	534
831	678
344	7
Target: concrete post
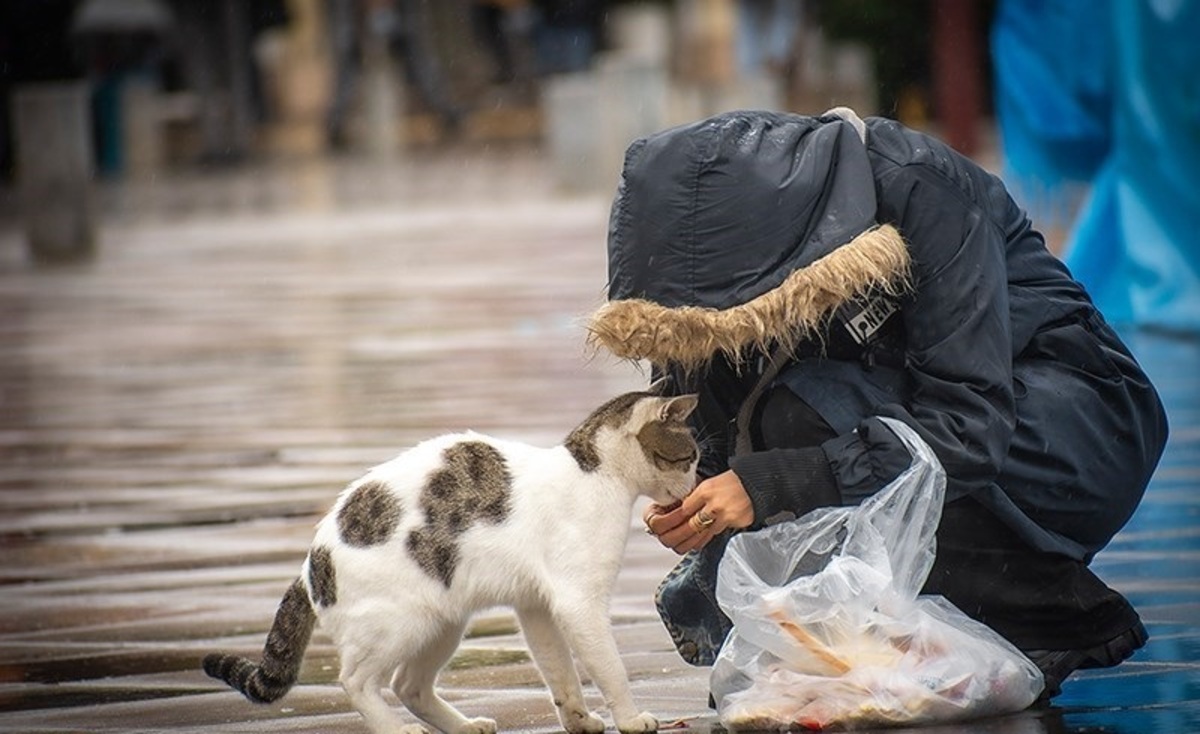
54	170
635	103
383	106
573	106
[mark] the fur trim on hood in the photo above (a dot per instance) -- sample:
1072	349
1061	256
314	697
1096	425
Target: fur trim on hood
798	308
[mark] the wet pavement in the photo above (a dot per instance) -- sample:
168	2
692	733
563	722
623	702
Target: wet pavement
176	415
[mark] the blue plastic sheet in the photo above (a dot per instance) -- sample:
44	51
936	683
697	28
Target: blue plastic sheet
1108	95
1052	63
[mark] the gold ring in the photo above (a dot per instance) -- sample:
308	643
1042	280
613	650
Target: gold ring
701	522
646	523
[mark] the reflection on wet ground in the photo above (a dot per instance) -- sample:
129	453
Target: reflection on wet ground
177	414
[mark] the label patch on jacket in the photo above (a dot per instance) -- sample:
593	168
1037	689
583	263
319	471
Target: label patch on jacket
871	319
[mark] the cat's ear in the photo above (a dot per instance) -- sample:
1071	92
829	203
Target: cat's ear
660	385
679	408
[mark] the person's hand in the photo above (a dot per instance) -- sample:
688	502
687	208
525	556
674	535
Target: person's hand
715	505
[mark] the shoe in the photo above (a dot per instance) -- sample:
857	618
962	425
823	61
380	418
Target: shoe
1058	665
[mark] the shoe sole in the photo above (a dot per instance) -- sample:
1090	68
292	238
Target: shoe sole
1113	652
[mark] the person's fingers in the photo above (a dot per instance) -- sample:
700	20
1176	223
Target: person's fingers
691	534
656	509
678	537
670	520
703	510
723	498
715	505
652	518
698	536
690	544
703	540
699	497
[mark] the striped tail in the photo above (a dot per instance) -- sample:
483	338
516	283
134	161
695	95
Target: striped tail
280	666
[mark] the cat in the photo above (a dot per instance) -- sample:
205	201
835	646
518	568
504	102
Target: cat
464	522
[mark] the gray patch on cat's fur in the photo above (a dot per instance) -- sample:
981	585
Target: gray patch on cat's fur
322	579
369	515
472	485
435	552
582	441
668	447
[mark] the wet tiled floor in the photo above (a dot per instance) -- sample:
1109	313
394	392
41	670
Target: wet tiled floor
175	415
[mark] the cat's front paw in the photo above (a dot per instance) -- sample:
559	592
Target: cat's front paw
643	722
581	721
477	726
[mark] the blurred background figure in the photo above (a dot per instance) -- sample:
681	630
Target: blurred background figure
212	80
399	30
566	34
1052	66
233	80
766	35
491	21
345	19
1106	99
124	48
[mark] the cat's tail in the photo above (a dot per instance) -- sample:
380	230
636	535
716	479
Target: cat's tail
280	666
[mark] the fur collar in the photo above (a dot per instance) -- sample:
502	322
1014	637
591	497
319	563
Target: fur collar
688	336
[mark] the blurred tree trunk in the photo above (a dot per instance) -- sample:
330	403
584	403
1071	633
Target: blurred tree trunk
957	72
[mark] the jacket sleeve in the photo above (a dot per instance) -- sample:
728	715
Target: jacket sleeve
958	341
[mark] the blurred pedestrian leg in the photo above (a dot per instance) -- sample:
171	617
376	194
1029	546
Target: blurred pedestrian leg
489	21
344	18
406	26
566	34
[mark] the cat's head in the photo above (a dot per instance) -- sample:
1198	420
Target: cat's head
643	439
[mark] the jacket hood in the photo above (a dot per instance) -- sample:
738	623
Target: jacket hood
739	231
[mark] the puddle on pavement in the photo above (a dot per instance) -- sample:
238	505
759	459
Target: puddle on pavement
61	688
1181	717
99	665
70	696
469	658
497	626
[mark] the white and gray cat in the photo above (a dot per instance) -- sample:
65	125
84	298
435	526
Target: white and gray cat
464	522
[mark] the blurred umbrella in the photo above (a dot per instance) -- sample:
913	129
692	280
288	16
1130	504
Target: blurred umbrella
122	16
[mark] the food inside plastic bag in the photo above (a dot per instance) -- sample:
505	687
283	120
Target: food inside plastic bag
829	631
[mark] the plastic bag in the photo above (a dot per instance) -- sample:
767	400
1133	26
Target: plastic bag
828	629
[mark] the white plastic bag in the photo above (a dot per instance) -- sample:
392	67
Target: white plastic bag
828	629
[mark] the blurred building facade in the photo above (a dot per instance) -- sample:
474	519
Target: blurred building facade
186	82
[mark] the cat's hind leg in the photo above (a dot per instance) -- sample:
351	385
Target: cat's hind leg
414	685
553	659
363	676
